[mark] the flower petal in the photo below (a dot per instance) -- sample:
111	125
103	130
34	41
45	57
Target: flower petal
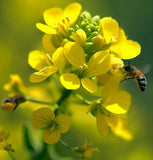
70	81
47	43
101	123
103	79
121	130
72	11
126	49
42	117
110	29
63	122
51	136
89	85
116	65
46	29
38	60
118	103
111	86
53	15
74	53
58	58
98	64
43	74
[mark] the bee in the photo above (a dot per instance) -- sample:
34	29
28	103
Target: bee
13	102
133	73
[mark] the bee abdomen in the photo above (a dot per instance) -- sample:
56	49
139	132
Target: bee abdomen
142	82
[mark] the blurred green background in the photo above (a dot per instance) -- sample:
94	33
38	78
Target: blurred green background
18	36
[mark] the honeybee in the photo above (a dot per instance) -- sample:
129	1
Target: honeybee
134	73
13	102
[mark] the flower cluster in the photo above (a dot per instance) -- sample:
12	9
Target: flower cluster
86	54
85	51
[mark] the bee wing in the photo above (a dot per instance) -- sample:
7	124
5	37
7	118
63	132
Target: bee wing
146	68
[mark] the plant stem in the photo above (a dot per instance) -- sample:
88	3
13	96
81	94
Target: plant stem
65	94
41	102
66	145
11	156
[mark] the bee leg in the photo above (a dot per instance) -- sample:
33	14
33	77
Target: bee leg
127	79
15	106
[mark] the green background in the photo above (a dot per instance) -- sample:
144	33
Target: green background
18	36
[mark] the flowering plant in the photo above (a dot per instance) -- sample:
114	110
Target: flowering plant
83	58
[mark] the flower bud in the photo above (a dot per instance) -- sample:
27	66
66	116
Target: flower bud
80	37
98	41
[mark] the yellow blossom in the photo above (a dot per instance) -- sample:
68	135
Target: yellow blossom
113	100
117	40
45	65
54	126
114	103
59	20
15	85
98	64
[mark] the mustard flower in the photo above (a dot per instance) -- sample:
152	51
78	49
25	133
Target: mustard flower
98	64
45	65
59	20
114	102
117	40
54	126
15	86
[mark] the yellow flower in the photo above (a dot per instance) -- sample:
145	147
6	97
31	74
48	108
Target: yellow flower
59	20
85	151
15	85
54	126
113	100
114	104
98	64
117	40
45	65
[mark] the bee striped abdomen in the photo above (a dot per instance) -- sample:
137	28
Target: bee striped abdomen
142	82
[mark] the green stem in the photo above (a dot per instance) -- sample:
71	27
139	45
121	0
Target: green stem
11	156
65	94
41	102
66	145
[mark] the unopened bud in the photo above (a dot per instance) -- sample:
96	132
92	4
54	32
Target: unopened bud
80	37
